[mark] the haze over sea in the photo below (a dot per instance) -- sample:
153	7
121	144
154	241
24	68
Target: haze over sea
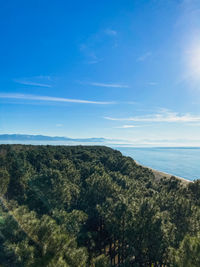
179	161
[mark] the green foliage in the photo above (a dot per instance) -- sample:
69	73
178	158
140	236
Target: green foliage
91	206
188	253
101	261
4	181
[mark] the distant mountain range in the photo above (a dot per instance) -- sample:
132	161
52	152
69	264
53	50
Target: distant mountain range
54	140
26	137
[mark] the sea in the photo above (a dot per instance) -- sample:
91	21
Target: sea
183	162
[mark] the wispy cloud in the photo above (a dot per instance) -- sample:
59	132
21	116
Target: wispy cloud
110	32
41	81
113	85
59	125
88	52
161	117
152	83
33	83
127	126
51	99
91	48
144	56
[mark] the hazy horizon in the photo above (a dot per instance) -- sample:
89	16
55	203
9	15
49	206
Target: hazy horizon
67	140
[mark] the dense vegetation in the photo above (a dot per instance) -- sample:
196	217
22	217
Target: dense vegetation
91	206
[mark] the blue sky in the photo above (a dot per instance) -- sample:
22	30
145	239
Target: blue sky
118	69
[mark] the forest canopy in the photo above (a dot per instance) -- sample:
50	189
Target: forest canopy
92	206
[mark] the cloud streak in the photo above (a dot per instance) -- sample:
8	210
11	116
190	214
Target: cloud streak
51	99
111	85
127	126
160	117
34	84
35	81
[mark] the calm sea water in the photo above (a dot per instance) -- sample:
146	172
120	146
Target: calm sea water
183	162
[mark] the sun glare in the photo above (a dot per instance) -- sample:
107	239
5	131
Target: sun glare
193	62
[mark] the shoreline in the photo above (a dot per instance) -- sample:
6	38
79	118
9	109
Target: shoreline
160	174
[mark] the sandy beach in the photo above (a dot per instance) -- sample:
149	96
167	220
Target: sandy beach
159	174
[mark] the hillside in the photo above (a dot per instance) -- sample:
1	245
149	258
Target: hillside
91	206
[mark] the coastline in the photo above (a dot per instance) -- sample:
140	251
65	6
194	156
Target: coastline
159	174
137	154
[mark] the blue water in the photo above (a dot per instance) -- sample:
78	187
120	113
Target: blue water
182	162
